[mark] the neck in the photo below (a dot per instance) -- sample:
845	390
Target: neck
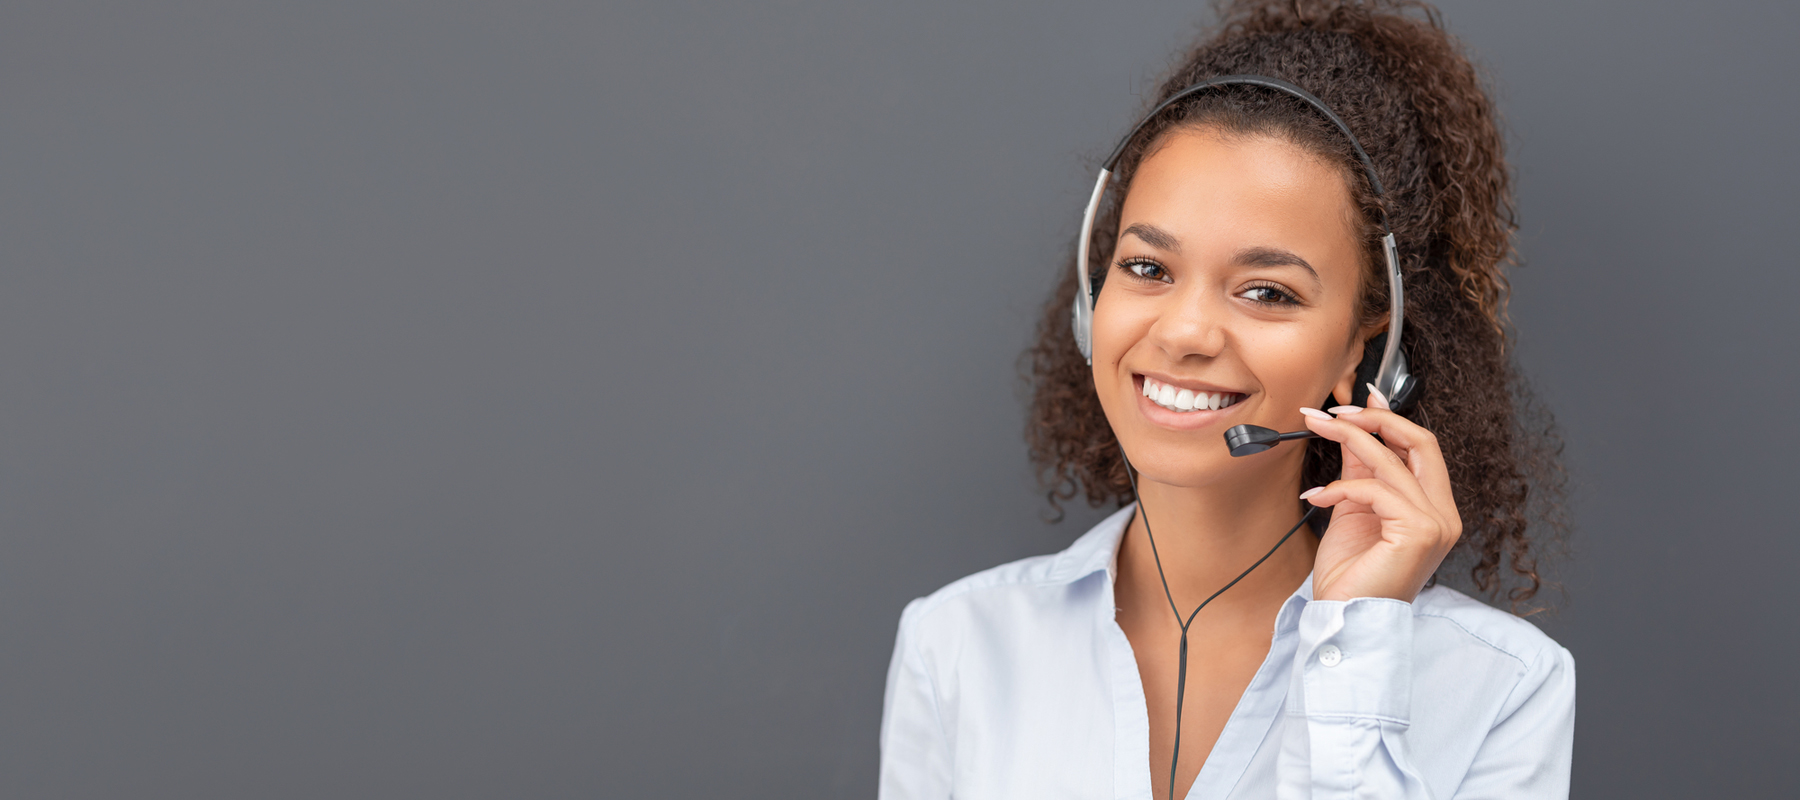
1207	536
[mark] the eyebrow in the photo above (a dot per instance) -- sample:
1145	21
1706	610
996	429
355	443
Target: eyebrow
1274	257
1155	237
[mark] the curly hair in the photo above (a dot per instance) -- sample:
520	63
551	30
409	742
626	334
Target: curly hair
1415	101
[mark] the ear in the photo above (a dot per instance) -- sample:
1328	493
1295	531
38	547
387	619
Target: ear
1344	391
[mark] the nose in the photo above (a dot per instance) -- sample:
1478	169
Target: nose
1192	324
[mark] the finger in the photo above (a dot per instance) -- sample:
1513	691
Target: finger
1402	519
1411	441
1380	460
1353	466
1377	399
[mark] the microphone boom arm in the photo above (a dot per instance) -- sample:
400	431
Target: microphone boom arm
1247	440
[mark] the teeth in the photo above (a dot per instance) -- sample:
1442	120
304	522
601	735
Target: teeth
1175	399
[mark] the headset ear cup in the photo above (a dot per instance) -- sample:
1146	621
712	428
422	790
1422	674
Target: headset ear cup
1404	395
1079	327
1083	319
1407	393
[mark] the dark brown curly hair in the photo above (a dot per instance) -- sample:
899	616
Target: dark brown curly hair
1416	103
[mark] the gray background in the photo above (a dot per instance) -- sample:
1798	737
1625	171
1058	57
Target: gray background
561	400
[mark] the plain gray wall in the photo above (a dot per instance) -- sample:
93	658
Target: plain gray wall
562	400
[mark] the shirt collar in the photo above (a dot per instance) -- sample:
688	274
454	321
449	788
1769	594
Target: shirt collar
1098	550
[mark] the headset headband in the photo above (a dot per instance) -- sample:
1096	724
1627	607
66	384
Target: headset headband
1392	378
1256	80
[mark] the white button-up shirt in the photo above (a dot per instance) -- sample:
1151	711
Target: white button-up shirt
1017	682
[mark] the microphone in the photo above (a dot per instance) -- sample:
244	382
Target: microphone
1247	440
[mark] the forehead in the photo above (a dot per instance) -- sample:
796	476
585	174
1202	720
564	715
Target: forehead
1244	190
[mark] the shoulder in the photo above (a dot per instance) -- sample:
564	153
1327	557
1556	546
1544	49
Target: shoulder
1455	632
992	595
1019	602
1484	626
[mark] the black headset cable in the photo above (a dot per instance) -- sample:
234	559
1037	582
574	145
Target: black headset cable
1181	668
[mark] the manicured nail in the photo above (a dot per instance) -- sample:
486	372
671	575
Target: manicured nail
1311	492
1315	413
1344	409
1376	398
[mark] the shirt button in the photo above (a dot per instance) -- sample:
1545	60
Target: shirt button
1329	655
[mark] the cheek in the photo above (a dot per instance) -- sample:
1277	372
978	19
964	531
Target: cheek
1296	364
1118	324
1122	323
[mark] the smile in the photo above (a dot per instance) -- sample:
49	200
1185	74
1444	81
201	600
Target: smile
1179	400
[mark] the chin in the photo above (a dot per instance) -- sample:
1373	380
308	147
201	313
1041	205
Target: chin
1186	466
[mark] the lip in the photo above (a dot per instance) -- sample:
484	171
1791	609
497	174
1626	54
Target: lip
1137	379
1182	420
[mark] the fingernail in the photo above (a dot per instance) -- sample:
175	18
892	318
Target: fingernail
1315	413
1311	492
1344	409
1376	398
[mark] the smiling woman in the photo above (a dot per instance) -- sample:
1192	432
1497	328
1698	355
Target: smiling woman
1414	101
1239	274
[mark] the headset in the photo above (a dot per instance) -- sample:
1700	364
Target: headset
1390	375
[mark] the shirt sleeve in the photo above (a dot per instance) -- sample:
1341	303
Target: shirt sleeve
1353	680
915	754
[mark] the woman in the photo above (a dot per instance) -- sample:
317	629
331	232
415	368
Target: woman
1192	645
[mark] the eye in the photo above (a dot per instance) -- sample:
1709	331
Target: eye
1269	294
1146	269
